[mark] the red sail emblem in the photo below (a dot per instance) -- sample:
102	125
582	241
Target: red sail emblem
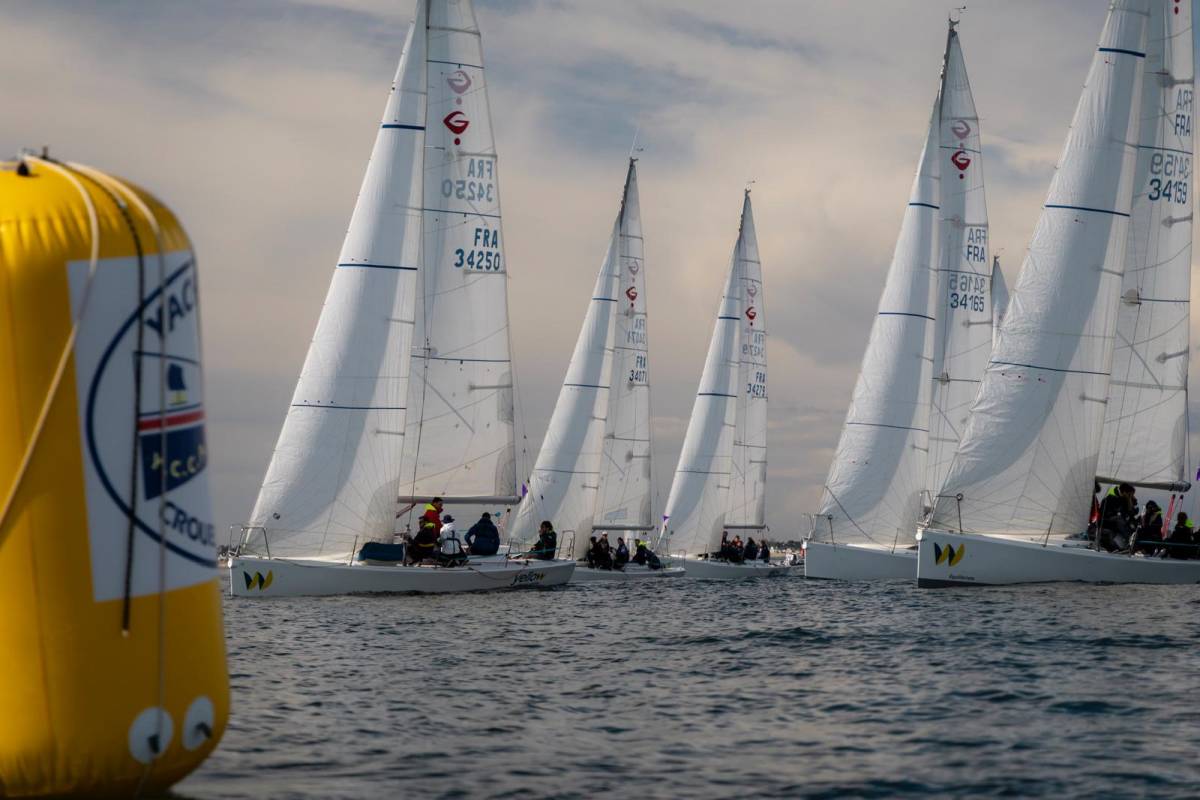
631	293
457	122
458	81
751	313
961	128
960	159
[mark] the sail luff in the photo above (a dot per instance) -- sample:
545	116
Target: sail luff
333	475
699	496
999	298
564	484
876	481
1145	427
963	304
1027	459
626	469
748	479
460	435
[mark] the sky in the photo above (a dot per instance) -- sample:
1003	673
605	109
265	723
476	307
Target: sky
253	120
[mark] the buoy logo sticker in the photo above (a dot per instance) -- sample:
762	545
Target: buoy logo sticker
458	81
155	434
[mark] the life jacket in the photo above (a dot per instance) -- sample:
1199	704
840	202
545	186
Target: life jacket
431	518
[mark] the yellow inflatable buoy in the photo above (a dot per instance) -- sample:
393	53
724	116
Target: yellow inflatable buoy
113	679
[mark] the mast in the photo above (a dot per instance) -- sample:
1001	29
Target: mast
1145	425
699	496
963	301
459	441
334	472
1027	460
626	469
876	481
748	480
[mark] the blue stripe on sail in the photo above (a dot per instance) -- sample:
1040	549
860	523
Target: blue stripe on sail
1164	149
904	314
585	385
403	127
1085	208
715	394
351	408
725	317
453	63
466	213
1121	50
926	205
378	266
1047	369
606	299
894	427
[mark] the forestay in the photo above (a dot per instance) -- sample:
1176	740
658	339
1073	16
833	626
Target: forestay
565	481
625	471
1145	427
459	441
963	300
876	482
699	496
1028	457
748	479
333	476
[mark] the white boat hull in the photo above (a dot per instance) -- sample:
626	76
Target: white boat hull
267	577
631	572
852	562
705	570
954	559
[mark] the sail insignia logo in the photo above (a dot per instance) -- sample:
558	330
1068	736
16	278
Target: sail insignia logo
948	554
257	579
458	81
457	123
961	128
751	314
961	160
631	293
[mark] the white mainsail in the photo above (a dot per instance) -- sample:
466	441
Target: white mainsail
459	439
1027	460
625	472
699	496
333	476
565	482
874	491
748	479
963	300
1145	427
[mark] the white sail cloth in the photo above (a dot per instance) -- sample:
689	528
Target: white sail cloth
1145	427
625	471
875	484
748	479
963	300
459	441
1027	459
699	496
999	298
333	476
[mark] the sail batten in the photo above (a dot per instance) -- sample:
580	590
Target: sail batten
1027	459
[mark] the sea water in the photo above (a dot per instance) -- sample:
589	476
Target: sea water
772	687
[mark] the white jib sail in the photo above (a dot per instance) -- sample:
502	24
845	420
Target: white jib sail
963	300
1145	427
874	492
459	441
333	477
625	472
748	479
699	495
565	481
999	298
1027	460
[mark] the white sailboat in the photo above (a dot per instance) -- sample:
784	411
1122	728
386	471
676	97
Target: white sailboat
924	359
1089	374
720	481
407	385
596	445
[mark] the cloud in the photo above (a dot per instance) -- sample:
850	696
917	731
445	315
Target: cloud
254	122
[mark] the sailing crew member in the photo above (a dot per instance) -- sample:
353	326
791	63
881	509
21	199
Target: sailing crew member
1150	533
639	551
1183	535
622	557
765	552
547	542
433	515
483	539
750	552
1117	517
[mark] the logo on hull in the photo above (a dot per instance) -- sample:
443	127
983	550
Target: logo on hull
948	554
257	579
